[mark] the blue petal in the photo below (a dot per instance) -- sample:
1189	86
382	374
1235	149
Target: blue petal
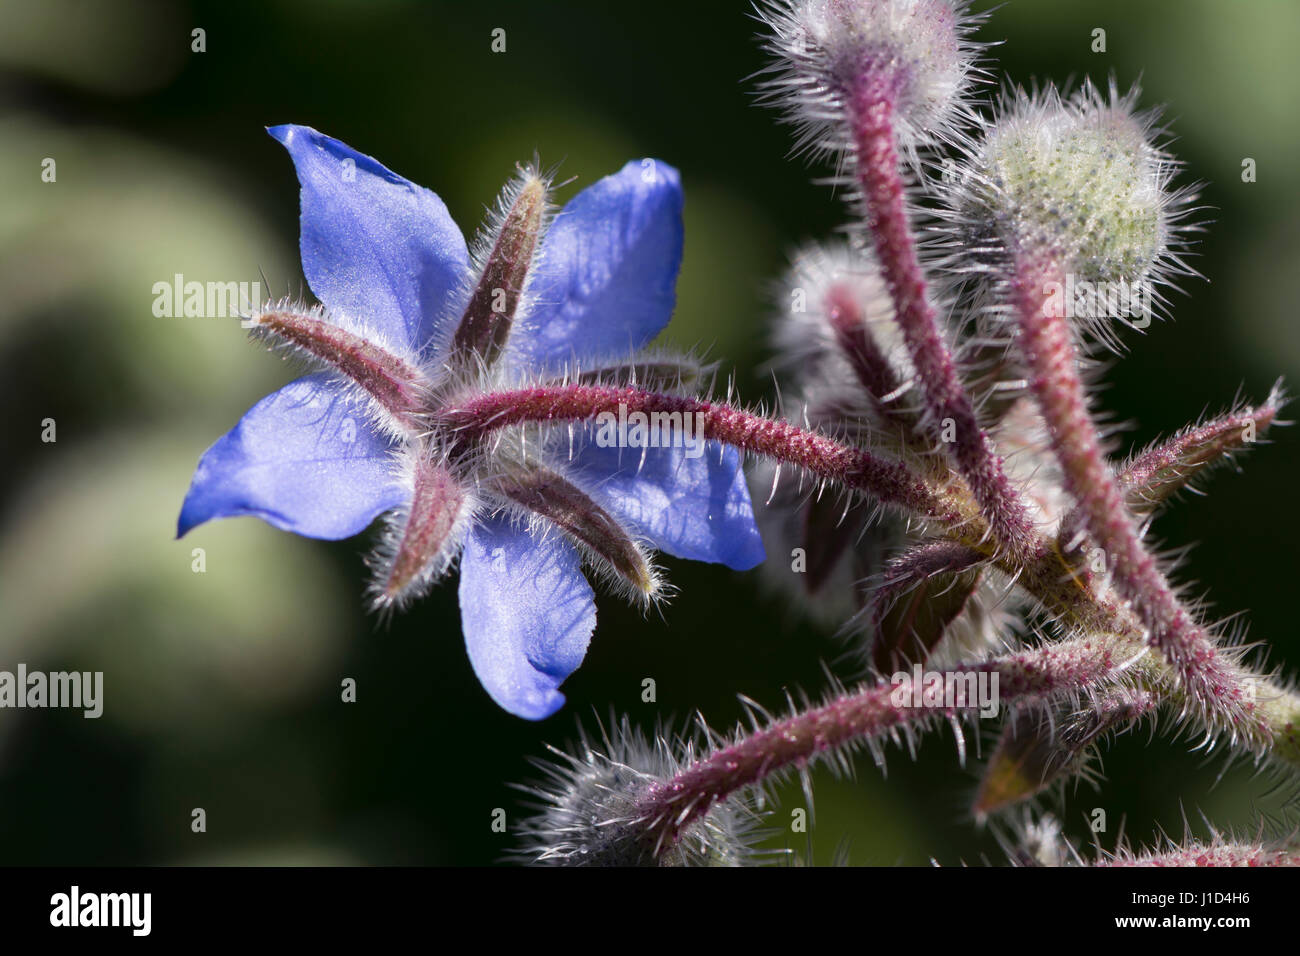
527	613
374	246
696	508
305	459
606	278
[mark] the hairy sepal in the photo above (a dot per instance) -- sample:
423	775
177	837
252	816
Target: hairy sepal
391	377
421	541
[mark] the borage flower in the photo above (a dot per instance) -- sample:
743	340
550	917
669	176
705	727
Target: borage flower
413	326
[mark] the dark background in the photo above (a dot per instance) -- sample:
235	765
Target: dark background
222	687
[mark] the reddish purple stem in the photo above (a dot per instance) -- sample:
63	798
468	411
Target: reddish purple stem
881	181
862	716
1210	678
889	481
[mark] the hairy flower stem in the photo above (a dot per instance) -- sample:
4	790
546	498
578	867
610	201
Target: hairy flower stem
889	481
1061	671
1067	593
880	179
1213	682
866	715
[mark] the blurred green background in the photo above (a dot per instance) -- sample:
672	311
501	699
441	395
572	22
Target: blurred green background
222	688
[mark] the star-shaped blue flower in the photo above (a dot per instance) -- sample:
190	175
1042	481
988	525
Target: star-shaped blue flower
410	324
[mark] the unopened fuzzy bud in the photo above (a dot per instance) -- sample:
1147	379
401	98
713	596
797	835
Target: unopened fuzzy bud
837	327
590	812
837	58
1079	189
